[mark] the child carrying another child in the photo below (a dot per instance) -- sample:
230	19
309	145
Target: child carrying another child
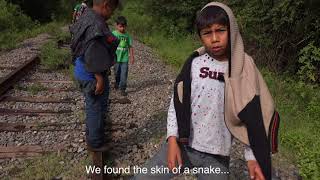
93	50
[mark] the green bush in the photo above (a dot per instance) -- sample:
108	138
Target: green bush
298	105
276	31
12	23
16	26
309	59
11	39
12	19
54	58
174	16
47	11
173	48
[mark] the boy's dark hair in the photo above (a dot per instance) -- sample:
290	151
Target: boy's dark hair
214	15
113	3
121	20
211	15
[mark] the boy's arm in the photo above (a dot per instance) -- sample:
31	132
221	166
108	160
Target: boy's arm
253	166
131	55
174	153
172	125
99	84
248	153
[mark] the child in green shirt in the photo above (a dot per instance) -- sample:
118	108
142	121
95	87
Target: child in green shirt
124	54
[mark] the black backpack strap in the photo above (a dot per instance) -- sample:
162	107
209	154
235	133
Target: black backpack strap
183	109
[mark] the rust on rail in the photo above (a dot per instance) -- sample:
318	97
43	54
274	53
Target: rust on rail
36	99
27	150
53	90
49	81
8	81
8	67
32	112
17	127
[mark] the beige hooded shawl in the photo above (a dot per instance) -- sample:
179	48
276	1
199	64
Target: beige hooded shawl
245	82
250	115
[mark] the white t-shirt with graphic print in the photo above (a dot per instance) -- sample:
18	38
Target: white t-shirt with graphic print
208	131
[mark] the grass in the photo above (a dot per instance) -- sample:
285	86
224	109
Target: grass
296	101
51	166
173	49
36	88
44	167
77	171
298	105
54	58
33	89
11	39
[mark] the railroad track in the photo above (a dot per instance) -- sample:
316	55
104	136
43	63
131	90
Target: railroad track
34	106
40	112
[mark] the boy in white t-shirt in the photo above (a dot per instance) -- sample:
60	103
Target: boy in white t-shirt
198	132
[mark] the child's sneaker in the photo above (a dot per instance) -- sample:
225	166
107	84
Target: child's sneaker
124	93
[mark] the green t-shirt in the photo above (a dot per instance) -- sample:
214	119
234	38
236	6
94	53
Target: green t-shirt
123	47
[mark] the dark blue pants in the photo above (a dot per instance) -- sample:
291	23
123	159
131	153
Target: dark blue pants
121	74
96	109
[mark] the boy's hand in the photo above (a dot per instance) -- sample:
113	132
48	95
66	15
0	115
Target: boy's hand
131	56
131	60
99	84
255	171
174	153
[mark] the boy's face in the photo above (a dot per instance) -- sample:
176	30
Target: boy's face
121	28
215	40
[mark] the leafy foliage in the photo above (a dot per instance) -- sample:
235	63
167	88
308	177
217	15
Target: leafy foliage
46	11
274	31
54	58
309	59
172	48
278	29
15	26
12	18
174	16
298	104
